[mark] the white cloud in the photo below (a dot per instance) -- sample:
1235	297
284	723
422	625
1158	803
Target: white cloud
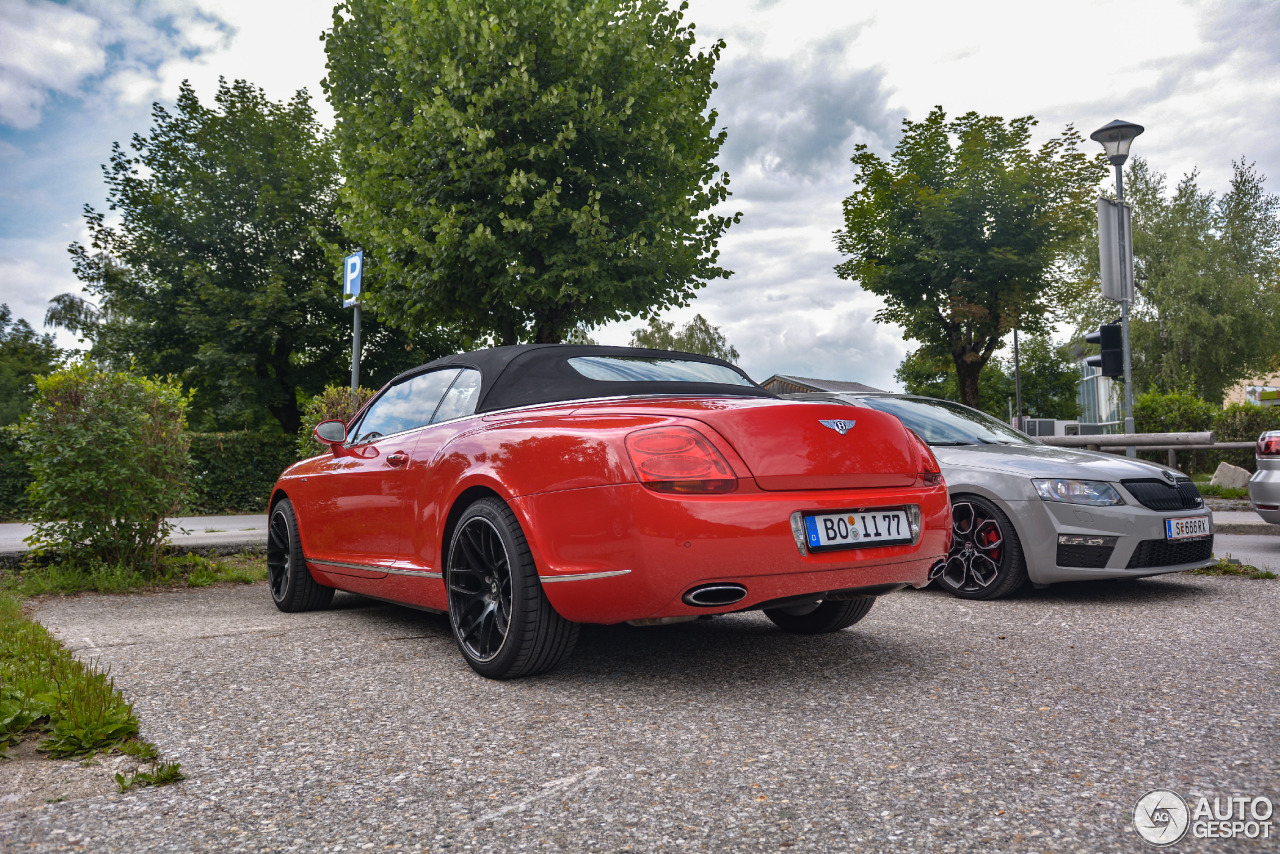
44	48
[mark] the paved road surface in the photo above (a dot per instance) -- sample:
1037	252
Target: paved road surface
249	531
1031	724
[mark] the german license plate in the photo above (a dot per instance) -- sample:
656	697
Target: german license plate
1186	527
857	528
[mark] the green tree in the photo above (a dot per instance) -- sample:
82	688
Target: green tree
1207	280
696	336
223	269
516	169
1049	379
24	355
963	231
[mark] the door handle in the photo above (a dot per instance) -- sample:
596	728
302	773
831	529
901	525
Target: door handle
397	459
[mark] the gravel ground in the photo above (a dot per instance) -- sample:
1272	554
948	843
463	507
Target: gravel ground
1031	724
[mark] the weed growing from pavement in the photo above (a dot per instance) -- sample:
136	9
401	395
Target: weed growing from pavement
1229	566
189	570
162	775
44	690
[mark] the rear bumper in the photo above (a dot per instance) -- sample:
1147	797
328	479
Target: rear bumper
617	553
1264	490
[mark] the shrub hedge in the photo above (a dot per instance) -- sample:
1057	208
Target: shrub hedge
1180	412
229	473
234	472
15	474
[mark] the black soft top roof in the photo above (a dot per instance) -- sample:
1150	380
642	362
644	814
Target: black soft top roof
528	374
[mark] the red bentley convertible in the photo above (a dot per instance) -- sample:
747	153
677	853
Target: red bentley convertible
524	490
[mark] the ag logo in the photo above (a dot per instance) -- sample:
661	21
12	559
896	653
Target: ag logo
840	427
1161	817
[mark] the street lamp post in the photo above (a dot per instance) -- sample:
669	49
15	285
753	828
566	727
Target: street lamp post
1116	138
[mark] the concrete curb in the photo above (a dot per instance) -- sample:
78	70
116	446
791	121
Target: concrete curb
1259	527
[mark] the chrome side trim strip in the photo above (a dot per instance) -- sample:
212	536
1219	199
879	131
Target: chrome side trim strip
583	576
369	567
416	573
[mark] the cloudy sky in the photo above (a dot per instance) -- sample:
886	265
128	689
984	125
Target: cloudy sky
800	83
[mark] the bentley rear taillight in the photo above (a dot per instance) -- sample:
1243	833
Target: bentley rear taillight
930	471
1269	444
679	459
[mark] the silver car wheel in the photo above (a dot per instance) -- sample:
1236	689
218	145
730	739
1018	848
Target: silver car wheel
976	550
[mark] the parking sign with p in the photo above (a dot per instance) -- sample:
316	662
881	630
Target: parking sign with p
353	269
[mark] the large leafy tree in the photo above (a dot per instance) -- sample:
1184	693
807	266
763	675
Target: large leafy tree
696	336
517	169
221	270
24	355
1207	277
964	230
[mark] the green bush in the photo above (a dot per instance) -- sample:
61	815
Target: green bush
1181	412
108	453
234	472
334	402
1177	412
15	476
1242	422
229	472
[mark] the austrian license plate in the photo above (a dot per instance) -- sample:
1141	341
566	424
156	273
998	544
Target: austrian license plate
1186	527
857	528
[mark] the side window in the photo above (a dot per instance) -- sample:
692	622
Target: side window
461	398
404	406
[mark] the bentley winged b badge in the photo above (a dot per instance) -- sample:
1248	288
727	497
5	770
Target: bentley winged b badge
840	427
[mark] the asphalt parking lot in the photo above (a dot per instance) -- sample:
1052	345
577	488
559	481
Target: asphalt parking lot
1032	724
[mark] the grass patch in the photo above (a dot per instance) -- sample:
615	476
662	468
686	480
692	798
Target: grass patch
1236	494
1230	566
44	689
189	570
74	707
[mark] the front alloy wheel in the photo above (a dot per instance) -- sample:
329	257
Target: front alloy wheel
292	587
986	559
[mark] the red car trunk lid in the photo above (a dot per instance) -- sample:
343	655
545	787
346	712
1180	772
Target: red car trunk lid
797	445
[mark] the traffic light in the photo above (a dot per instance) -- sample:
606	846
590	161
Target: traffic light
1111	359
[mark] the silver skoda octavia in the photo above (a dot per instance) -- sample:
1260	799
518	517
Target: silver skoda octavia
1027	511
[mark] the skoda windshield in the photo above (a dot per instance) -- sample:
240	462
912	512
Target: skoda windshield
941	422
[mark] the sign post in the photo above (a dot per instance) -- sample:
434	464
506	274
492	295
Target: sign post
353	271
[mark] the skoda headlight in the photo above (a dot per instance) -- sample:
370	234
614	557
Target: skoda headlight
1094	492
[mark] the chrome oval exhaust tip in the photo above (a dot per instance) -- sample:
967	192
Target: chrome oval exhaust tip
714	595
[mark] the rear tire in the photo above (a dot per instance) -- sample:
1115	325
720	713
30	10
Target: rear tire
292	587
501	620
827	617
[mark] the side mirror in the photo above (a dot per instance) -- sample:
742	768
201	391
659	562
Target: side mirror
332	433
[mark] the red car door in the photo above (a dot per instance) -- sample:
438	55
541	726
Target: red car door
356	517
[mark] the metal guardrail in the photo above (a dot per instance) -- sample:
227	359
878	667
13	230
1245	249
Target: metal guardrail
1152	441
1171	442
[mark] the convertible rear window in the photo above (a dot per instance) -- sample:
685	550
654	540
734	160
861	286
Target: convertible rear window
641	369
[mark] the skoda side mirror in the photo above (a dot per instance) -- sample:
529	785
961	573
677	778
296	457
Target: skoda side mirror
332	433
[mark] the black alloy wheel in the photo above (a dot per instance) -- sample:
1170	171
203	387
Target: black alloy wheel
292	587
820	618
986	559
501	619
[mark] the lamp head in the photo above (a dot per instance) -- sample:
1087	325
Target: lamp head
1116	139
